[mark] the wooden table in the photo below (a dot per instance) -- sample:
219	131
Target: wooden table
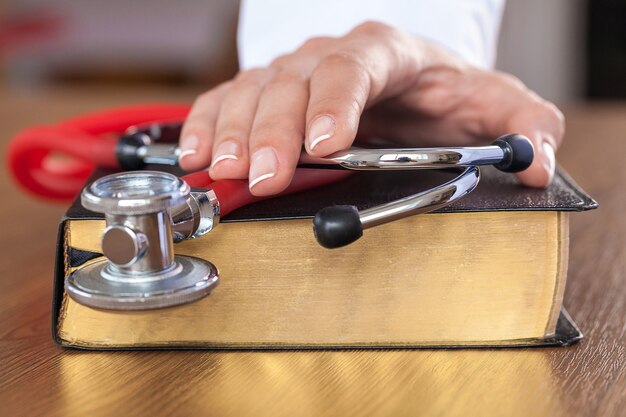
588	379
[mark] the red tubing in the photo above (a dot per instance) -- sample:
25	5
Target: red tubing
84	142
89	141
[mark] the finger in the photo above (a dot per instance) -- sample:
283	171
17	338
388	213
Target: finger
366	69
199	128
277	133
339	91
234	123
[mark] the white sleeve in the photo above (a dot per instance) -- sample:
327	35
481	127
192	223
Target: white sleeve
270	28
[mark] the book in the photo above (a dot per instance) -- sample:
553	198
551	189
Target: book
488	271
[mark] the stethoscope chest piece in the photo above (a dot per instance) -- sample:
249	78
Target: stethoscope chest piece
140	270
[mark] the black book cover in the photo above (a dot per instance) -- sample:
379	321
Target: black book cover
496	191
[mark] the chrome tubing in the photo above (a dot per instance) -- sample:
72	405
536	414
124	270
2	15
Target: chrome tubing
406	158
338	226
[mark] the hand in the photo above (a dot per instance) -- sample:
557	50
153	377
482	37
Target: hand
376	81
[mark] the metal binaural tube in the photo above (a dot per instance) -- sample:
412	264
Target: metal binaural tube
423	202
337	226
508	153
407	158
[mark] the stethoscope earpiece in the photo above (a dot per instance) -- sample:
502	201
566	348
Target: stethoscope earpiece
518	152
337	226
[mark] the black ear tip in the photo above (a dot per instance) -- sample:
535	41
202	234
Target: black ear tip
126	150
518	152
337	226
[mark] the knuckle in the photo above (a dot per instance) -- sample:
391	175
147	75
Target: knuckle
509	80
314	43
244	85
554	111
347	62
555	118
210	97
205	99
282	61
542	109
373	28
286	77
343	59
252	78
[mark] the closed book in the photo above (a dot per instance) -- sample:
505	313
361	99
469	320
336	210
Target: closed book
488	271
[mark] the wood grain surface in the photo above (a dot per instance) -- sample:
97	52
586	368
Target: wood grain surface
588	379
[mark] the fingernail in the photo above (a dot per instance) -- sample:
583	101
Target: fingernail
186	152
189	142
549	160
188	146
321	129
263	165
226	150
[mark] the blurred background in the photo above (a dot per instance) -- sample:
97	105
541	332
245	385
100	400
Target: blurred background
566	50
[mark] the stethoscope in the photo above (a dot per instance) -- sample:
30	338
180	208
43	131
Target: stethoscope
146	212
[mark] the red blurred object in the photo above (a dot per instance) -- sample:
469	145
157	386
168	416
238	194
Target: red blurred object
55	161
17	31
